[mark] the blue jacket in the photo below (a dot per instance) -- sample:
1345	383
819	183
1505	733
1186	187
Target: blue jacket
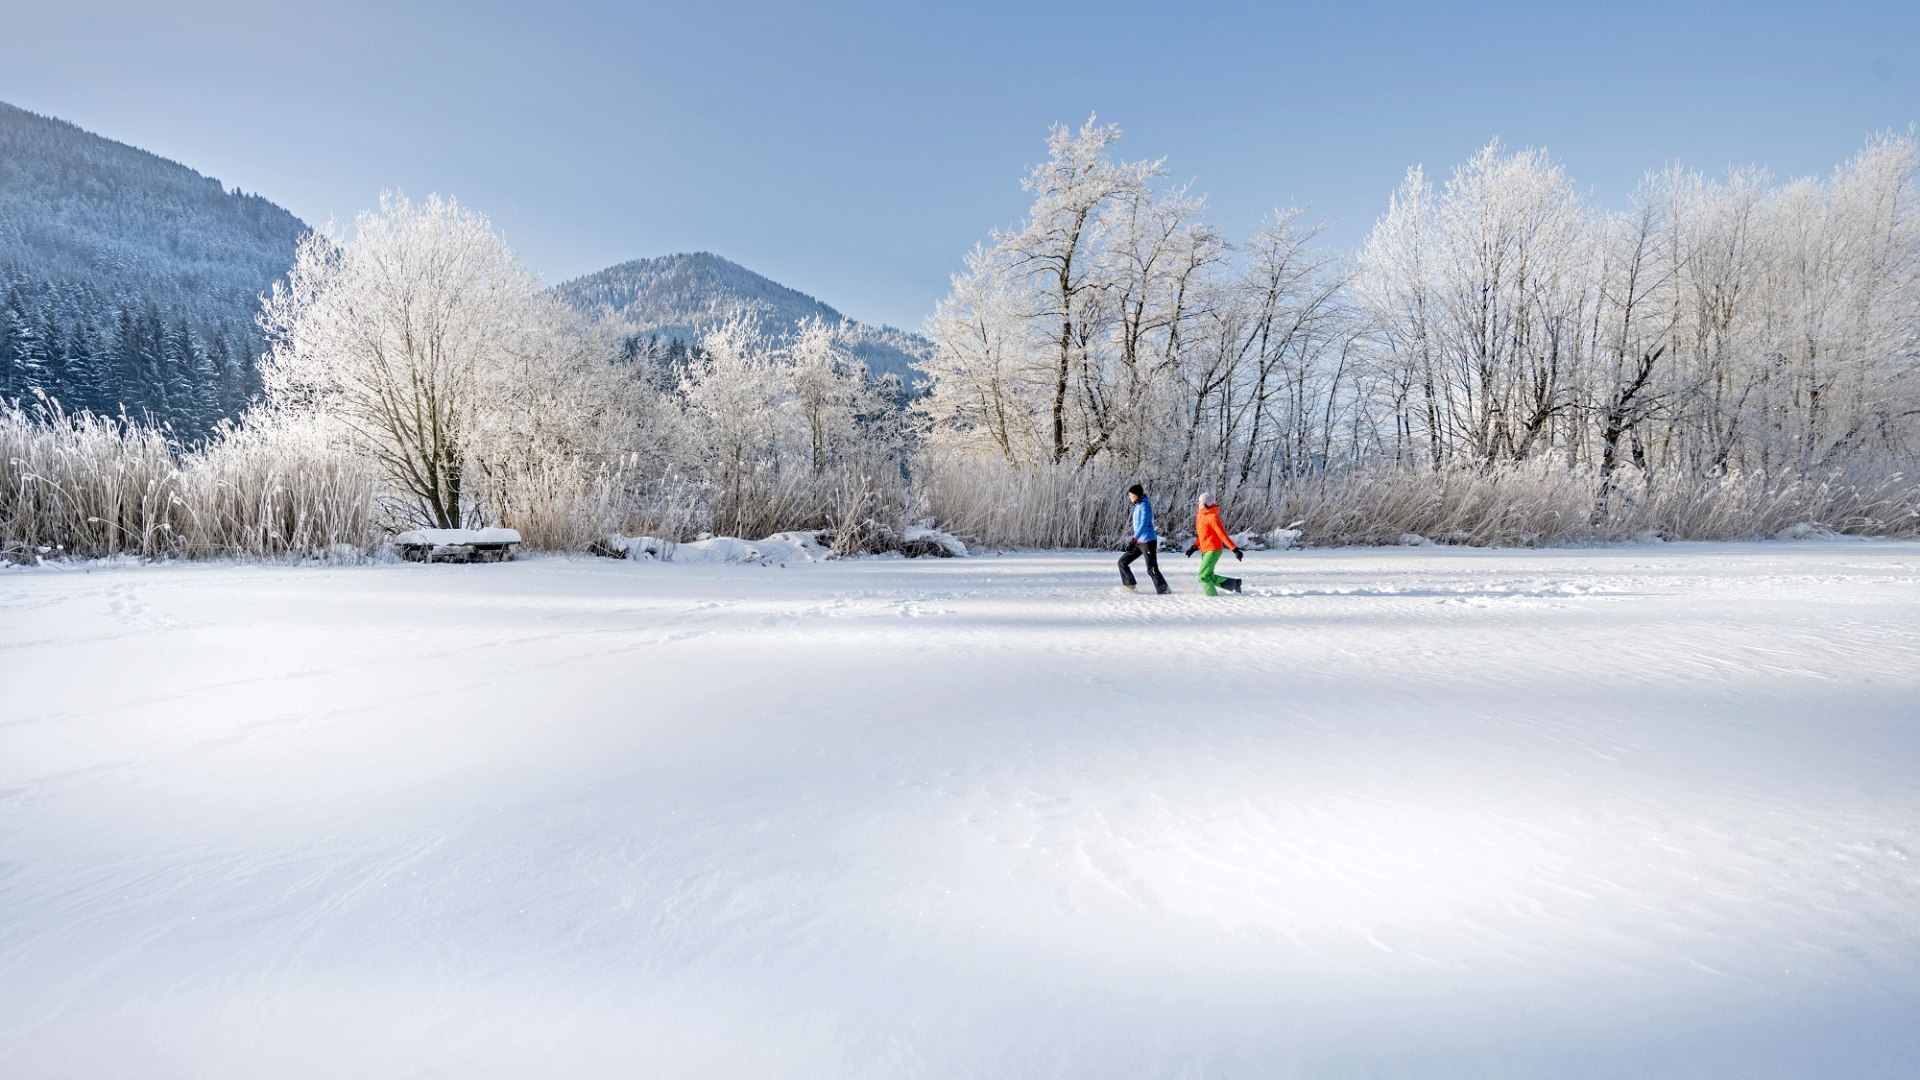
1143	521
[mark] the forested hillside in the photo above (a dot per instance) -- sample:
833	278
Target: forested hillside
128	281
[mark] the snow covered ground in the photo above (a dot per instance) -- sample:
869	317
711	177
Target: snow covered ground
1645	811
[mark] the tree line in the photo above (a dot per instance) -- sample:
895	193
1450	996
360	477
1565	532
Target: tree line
1711	328
134	356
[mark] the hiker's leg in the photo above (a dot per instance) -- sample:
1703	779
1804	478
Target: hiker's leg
1209	580
1153	566
1126	572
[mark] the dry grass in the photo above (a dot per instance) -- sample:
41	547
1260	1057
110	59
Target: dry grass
857	511
281	487
86	485
91	486
988	503
1535	504
278	487
1750	507
557	506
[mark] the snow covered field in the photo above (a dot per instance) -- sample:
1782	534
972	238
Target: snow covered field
1646	811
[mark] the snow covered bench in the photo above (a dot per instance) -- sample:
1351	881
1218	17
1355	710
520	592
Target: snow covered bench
457	545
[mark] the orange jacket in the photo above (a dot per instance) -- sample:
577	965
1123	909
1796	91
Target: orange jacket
1211	535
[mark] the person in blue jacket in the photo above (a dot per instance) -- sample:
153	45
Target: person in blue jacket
1142	540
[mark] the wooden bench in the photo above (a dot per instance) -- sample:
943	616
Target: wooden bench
457	545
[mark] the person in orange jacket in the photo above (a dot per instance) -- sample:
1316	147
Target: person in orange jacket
1210	540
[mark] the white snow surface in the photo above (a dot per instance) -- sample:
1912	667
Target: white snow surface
1426	812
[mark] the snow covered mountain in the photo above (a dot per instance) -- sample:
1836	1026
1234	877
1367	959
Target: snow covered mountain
127	280
676	296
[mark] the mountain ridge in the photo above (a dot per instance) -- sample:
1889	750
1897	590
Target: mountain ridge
679	295
129	281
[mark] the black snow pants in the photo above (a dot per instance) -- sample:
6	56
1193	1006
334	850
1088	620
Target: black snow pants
1136	549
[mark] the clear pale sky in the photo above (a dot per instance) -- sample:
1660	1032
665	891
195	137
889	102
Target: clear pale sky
856	151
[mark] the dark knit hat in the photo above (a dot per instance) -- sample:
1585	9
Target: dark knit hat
1137	490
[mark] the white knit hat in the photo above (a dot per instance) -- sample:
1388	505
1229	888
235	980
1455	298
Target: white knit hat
1206	498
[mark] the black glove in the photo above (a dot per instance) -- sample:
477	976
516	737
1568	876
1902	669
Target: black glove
1191	548
1237	556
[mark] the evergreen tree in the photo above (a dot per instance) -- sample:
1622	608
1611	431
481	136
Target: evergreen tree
146	395
208	401
123	365
238	380
56	359
30	355
12	324
182	408
86	366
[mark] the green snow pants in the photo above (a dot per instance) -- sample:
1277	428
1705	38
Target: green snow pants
1209	580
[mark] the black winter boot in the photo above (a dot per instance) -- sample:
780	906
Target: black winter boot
1231	584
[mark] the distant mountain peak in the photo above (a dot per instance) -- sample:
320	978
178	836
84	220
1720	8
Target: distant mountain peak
679	296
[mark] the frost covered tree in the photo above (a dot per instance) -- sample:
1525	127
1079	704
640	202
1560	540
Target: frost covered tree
774	423
1485	290
1713	330
1027	351
1281	378
1843	296
849	417
1638	311
738	411
447	361
1117	326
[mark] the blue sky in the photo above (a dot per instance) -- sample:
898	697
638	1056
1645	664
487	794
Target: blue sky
857	150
